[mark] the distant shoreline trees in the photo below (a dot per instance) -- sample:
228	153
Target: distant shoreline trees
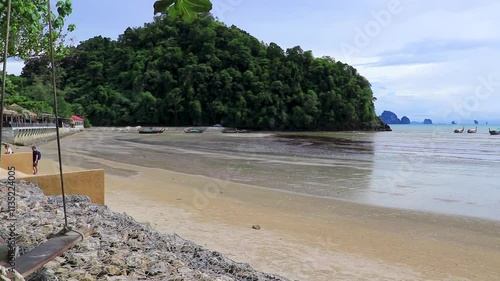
178	73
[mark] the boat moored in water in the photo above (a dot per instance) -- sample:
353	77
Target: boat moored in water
494	132
459	130
472	131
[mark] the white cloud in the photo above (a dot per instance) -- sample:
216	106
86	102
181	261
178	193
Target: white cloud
14	66
424	58
429	59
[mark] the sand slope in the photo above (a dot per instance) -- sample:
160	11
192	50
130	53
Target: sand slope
301	237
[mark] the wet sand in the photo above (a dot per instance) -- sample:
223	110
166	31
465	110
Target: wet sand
301	237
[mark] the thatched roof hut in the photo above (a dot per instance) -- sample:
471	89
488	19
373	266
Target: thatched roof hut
8	112
28	113
21	111
15	107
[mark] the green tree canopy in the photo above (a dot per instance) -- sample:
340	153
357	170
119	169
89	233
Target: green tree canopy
177	73
185	9
29	34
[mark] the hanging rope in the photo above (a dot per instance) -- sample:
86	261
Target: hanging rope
4	75
56	112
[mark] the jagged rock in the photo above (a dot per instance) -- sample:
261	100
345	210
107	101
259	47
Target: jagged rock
77	274
88	278
62	270
224	278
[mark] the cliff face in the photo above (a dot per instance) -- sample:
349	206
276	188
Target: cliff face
405	120
389	117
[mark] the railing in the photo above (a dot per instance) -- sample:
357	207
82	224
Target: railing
24	124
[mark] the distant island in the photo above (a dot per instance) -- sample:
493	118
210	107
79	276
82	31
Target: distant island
467	122
390	117
405	120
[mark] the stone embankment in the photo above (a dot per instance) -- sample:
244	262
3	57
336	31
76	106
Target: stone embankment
119	249
26	136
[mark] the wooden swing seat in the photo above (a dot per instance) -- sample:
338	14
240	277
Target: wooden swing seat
35	259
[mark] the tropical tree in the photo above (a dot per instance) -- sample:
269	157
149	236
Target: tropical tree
28	34
24	31
185	9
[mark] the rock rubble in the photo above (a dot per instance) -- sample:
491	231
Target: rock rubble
119	249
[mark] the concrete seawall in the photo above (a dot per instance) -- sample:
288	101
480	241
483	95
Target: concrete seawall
30	135
87	182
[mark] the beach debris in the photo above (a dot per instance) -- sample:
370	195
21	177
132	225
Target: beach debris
256	226
119	249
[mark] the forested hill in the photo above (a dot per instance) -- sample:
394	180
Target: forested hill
203	73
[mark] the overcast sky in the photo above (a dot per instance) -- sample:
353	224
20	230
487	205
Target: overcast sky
425	59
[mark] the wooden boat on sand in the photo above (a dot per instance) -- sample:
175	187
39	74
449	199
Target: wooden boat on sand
234	131
193	130
150	130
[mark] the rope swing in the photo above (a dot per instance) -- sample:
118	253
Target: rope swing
56	112
54	86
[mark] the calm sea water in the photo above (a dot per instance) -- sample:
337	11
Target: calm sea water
425	167
414	167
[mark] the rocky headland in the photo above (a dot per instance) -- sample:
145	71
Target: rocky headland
389	117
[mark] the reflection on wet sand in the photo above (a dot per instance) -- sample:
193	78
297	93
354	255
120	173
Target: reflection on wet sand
304	237
385	169
326	167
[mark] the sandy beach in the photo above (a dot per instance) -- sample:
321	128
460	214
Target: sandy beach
300	237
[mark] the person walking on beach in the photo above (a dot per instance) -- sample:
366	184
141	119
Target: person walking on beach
36	157
8	150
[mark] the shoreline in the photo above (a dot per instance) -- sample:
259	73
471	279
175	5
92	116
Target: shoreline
290	169
302	237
